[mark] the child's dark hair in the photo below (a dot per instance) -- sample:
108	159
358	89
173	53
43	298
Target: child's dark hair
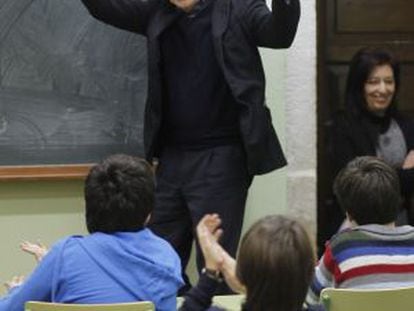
119	194
368	189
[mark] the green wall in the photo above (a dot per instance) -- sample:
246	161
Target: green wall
268	193
36	210
51	210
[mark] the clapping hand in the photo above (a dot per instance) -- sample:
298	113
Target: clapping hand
215	256
38	249
209	233
14	282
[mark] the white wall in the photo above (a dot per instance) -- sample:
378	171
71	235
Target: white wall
267	194
300	116
36	210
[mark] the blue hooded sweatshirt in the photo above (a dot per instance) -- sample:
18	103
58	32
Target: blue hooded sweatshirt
103	268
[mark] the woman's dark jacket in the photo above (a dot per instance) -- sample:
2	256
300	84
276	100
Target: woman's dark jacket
238	27
355	136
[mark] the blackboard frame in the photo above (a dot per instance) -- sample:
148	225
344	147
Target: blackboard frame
44	172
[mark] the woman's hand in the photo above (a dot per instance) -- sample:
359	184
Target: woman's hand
409	161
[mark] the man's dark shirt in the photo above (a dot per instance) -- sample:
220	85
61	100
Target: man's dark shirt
199	110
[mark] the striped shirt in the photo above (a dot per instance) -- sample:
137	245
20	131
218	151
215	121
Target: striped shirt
369	256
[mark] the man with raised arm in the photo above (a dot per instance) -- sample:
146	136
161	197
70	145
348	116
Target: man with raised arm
206	122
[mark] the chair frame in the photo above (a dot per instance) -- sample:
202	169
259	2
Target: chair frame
336	299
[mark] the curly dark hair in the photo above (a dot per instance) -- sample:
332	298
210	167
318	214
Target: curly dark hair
119	194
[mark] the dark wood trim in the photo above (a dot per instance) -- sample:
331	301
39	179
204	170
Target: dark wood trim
44	172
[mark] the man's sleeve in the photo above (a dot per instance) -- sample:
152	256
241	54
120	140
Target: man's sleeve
37	287
274	28
131	15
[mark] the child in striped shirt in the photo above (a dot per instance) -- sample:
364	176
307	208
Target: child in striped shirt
373	252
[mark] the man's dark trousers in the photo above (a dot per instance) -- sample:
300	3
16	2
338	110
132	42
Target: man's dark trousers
192	183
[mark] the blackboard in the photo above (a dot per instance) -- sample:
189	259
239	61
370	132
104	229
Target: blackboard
72	89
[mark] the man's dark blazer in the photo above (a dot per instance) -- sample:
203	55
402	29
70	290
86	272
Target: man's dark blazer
238	28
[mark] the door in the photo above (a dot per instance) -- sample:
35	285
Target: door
345	26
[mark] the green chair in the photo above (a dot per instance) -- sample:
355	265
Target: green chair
229	302
395	299
49	306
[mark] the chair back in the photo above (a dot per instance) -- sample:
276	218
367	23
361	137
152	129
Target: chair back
229	302
49	306
395	299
